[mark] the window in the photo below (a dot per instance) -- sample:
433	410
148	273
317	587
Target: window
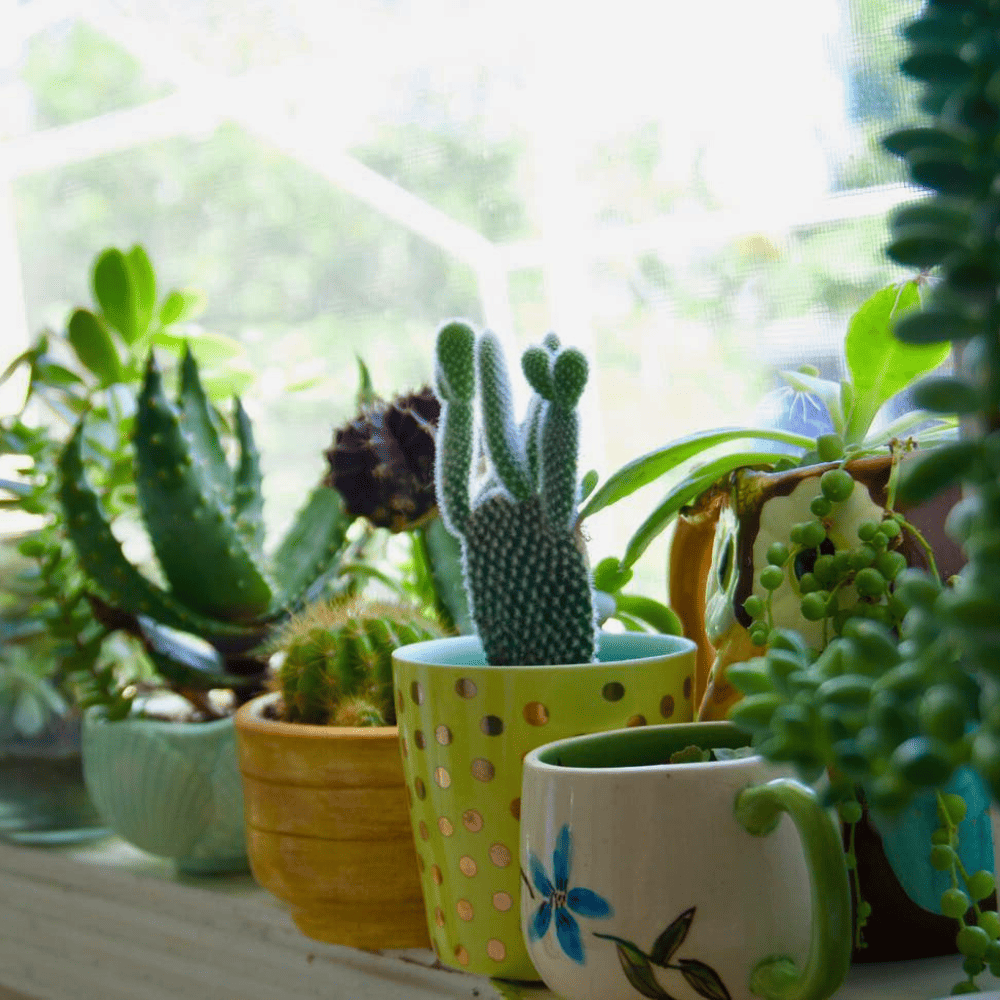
692	193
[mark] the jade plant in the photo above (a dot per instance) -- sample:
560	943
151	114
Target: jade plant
203	516
336	660
530	591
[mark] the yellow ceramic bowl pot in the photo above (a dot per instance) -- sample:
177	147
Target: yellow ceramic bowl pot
465	728
327	828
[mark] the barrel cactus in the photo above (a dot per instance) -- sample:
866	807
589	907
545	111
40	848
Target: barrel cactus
525	566
203	517
336	664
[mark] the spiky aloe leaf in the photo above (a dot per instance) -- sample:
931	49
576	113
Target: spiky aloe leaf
195	414
248	498
102	557
312	546
185	661
189	522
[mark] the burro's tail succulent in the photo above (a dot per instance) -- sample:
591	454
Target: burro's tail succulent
525	566
203	517
337	660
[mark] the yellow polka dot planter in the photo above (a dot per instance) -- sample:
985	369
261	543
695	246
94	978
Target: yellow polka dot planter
464	730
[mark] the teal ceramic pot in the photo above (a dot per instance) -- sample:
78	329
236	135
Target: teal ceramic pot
170	788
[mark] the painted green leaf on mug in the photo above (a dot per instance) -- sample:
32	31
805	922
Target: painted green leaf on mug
637	969
703	979
671	939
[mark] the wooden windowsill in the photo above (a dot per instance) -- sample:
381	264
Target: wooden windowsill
107	922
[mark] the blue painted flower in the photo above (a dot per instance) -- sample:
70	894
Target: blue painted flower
560	900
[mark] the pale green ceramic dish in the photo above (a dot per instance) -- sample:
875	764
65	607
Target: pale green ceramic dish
170	788
465	728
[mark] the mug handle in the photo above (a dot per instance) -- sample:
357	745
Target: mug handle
758	810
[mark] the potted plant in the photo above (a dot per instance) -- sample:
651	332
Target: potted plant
326	819
898	714
53	644
470	707
172	787
728	508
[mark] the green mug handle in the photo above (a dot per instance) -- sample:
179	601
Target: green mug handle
758	810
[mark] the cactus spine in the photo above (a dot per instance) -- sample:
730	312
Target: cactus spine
525	569
337	666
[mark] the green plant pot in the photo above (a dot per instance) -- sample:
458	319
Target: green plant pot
170	788
465	728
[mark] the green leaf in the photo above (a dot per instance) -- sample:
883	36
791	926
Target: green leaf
650	611
906	141
637	969
923	246
688	490
184	660
366	394
144	286
671	939
643	470
929	474
902	425
937	67
880	365
115	291
703	979
947	394
181	304
948	173
94	347
934	326
208	348
830	394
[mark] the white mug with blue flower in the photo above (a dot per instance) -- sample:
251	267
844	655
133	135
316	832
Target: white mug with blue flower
708	878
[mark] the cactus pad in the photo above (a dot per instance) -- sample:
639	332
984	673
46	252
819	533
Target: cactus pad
526	570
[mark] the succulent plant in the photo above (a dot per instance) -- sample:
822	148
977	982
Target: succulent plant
203	518
337	660
526	571
382	461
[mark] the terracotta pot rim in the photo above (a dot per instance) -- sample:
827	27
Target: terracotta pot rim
249	718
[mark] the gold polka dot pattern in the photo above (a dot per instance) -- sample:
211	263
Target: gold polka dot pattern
502	901
463	736
500	855
465	688
613	691
536	714
491	725
483	770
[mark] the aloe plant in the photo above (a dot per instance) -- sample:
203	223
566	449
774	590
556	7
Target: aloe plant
203	517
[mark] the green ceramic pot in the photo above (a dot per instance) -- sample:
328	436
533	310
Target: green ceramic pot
170	788
465	728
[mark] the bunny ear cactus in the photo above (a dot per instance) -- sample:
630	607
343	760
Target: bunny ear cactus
204	520
337	667
525	568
